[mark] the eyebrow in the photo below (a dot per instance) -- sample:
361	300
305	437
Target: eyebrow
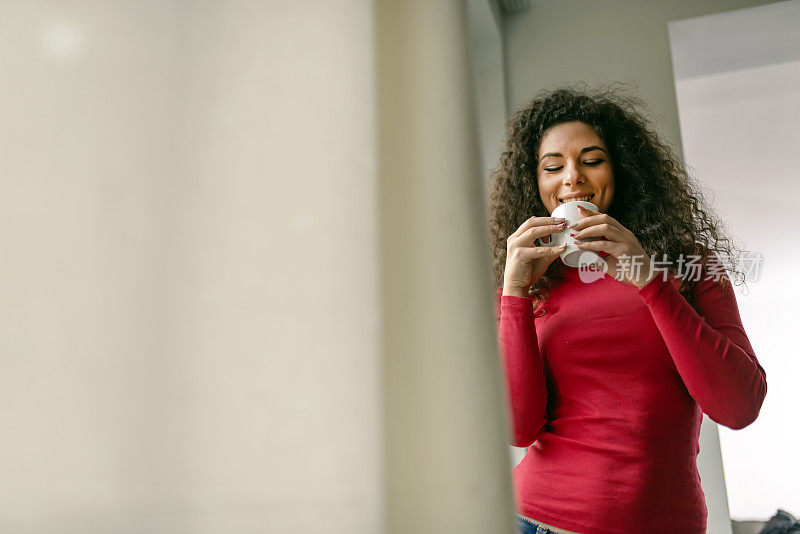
587	149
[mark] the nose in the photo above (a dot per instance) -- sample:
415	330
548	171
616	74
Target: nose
572	176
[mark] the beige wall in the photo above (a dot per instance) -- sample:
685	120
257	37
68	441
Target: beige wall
90	399
447	463
488	81
190	319
221	314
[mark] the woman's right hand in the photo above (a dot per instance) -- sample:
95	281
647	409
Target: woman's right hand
525	261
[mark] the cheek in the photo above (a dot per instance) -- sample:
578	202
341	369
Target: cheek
610	185
546	193
609	192
546	189
605	181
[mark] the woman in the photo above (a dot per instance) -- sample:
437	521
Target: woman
607	380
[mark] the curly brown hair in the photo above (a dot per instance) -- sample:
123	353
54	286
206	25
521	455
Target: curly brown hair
654	196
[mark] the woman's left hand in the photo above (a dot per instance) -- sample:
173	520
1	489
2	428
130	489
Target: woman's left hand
617	241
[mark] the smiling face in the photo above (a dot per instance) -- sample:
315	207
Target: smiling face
573	160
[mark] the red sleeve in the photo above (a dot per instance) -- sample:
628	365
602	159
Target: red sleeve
522	367
710	349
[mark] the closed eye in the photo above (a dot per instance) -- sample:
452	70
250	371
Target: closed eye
592	163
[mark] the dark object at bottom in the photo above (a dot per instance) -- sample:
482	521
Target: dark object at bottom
781	523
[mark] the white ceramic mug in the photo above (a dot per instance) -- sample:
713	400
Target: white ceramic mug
572	255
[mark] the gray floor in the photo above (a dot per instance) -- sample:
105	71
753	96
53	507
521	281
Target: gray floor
747	527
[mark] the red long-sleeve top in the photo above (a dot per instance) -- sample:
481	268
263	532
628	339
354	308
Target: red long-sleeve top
607	385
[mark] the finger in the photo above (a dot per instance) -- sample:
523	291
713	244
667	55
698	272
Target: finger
532	253
538	232
592	218
535	221
610	232
611	247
